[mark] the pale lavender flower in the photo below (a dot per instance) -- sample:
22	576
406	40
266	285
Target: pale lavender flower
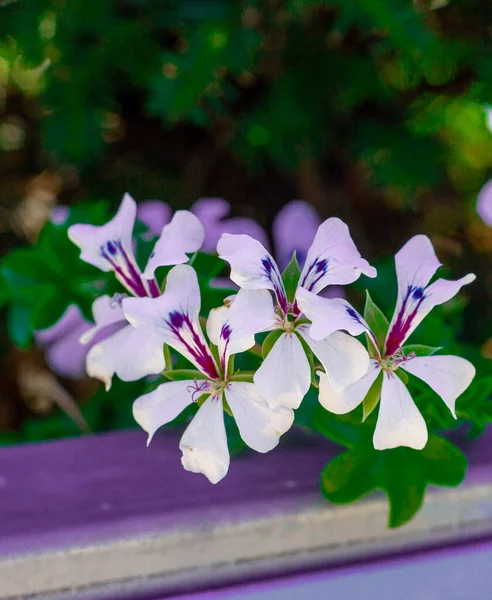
64	353
174	317
284	376
399	421
110	248
484	203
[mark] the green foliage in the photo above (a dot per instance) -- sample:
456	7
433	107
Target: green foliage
381	81
290	278
403	474
376	320
269	341
42	281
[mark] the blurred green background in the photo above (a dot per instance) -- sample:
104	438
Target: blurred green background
371	110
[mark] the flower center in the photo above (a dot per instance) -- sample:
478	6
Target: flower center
391	363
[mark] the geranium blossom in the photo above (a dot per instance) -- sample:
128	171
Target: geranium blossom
174	318
399	421
285	377
110	248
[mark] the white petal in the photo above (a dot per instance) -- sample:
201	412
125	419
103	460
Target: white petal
344	358
333	258
204	443
259	424
399	420
183	235
90	238
106	312
347	399
174	316
252	266
284	377
129	353
329	314
448	376
162	405
216	318
251	311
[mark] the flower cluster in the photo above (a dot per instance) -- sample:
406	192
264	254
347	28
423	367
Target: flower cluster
308	337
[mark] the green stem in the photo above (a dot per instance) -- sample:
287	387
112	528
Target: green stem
167	358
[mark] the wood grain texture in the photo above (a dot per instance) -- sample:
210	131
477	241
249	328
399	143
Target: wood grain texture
104	516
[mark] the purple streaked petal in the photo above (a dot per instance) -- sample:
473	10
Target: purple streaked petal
294	229
399	420
448	376
344	358
333	258
162	405
154	214
251	311
259	424
129	353
484	203
252	266
416	263
204	443
344	400
329	314
182	236
109	247
212	212
174	316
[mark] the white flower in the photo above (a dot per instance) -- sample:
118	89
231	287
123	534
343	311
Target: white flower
284	377
110	248
174	317
399	421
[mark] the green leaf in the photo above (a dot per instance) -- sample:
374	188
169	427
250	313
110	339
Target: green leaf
269	341
403	474
372	398
376	320
421	350
207	265
248	377
310	357
290	277
402	375
184	375
19	326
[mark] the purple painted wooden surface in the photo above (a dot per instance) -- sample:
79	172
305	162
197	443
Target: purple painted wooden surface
110	486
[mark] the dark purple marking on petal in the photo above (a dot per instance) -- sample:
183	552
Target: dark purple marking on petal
126	271
273	274
182	327
316	271
226	331
155	291
409	309
111	248
177	320
225	334
351	313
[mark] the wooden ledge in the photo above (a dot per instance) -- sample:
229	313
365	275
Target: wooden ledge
103	516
